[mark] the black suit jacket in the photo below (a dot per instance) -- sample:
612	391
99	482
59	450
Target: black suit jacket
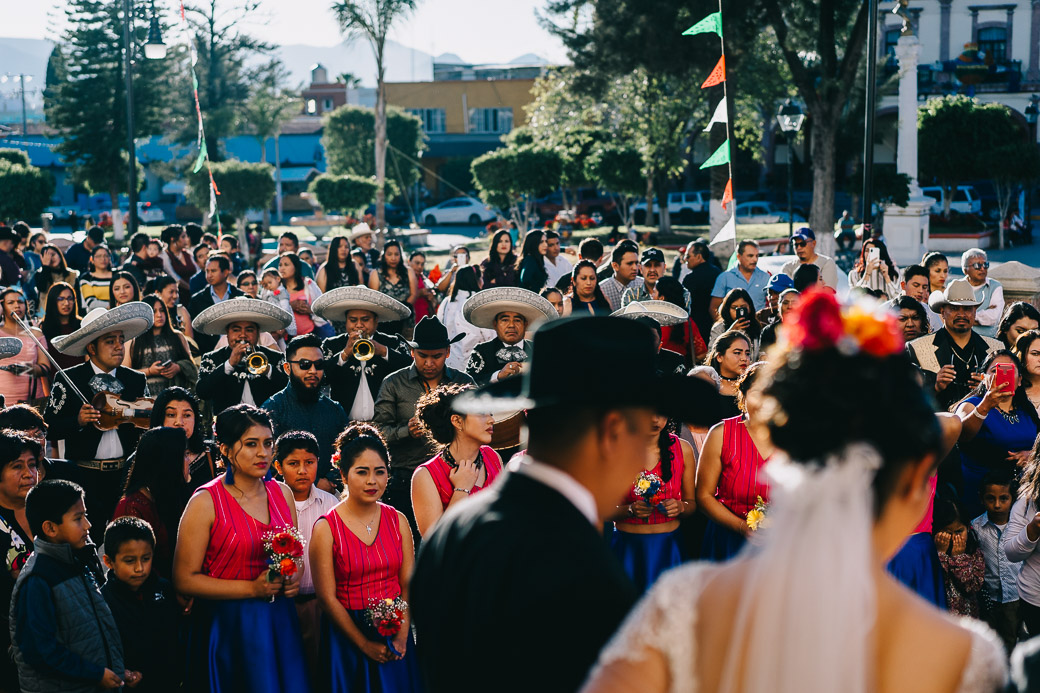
225	390
344	380
518	566
63	407
200	301
483	361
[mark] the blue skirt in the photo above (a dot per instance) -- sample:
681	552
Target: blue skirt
646	556
349	670
916	565
246	646
721	543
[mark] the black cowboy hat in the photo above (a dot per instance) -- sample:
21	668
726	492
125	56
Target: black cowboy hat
431	334
570	366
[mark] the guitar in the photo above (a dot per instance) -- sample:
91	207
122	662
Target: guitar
116	412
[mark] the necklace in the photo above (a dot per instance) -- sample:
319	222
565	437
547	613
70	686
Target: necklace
730	380
1010	416
367	523
450	459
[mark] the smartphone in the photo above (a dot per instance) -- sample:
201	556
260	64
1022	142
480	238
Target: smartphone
873	253
742	313
166	364
1004	375
461	259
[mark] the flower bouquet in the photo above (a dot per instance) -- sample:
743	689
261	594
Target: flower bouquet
284	550
386	616
648	489
756	517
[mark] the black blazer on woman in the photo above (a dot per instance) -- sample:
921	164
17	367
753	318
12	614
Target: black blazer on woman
521	586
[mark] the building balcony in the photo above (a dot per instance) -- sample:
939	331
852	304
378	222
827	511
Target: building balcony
954	77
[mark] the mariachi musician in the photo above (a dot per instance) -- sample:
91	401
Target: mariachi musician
355	369
243	371
511	312
98	456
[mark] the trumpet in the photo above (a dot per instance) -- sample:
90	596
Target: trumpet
363	349
256	361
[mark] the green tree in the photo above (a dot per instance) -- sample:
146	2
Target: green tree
243	187
347	193
85	96
25	191
349	137
372	20
617	168
512	177
457	174
15	156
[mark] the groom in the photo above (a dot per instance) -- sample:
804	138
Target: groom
515	589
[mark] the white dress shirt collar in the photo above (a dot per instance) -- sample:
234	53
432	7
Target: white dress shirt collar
562	482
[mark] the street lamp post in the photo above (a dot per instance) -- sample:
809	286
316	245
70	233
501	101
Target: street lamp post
22	79
790	118
154	49
1032	114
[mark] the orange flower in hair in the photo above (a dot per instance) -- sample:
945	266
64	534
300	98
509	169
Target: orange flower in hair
876	334
816	323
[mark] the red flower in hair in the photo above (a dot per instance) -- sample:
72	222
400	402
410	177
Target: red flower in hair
816	323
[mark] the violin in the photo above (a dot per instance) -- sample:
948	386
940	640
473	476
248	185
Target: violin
115	412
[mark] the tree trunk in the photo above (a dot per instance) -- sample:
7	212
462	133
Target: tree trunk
649	221
243	239
824	151
664	224
380	143
263	160
117	217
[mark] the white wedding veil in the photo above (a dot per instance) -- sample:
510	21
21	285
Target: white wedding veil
808	605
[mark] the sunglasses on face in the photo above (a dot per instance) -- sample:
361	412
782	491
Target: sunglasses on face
307	364
798	244
980	265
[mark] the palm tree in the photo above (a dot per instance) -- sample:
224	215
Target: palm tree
371	20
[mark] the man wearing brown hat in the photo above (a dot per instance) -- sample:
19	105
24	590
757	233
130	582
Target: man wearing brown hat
949	358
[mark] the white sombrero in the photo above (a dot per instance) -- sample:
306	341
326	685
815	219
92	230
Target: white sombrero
334	304
662	311
10	346
132	319
481	308
360	230
267	316
957	293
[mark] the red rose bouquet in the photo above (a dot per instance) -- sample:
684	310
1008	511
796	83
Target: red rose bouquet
284	553
386	616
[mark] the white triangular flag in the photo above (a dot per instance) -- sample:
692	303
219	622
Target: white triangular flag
721	115
728	232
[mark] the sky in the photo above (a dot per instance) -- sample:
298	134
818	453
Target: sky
479	31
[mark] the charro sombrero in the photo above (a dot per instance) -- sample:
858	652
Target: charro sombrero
958	293
360	230
267	316
334	304
481	308
663	312
132	319
10	346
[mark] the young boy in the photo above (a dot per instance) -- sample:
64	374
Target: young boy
63	636
998	599
143	604
296	460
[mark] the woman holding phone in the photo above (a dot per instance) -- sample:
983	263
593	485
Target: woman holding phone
875	270
459	259
737	312
998	426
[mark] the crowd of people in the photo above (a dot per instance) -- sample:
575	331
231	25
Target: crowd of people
218	476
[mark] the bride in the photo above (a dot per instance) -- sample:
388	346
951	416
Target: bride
811	608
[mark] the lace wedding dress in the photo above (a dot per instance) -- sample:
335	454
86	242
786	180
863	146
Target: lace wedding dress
813	573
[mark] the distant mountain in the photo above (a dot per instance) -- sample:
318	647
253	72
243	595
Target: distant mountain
403	64
24	56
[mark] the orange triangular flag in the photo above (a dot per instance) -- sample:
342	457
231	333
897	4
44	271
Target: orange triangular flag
718	75
727	194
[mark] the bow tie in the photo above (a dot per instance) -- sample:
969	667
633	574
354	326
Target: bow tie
106	382
511	353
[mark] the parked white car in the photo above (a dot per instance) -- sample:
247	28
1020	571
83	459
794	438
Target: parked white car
458	210
965	199
682	207
764	213
147	213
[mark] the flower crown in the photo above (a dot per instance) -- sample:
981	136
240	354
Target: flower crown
821	322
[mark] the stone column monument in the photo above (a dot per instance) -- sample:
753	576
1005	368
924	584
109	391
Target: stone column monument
906	228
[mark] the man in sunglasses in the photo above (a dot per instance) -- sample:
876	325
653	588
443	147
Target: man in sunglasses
301	406
988	292
803	242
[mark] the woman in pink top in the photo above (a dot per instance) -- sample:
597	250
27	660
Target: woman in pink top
729	477
361	554
465	464
32	366
245	635
646	534
302	293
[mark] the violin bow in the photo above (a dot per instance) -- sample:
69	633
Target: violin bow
54	363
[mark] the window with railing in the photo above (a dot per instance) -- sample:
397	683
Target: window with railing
992	43
490	120
432	118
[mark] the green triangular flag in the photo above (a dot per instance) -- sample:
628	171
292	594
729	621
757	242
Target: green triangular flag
203	153
720	157
713	22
